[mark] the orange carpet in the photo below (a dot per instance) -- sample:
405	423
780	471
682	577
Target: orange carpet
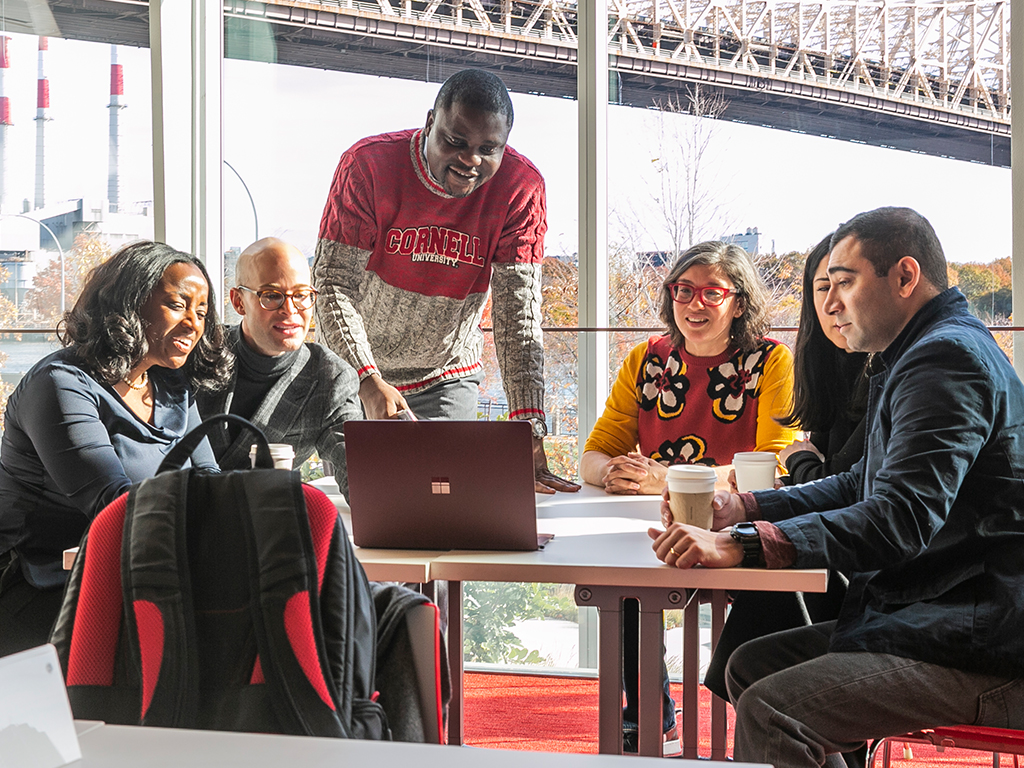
559	714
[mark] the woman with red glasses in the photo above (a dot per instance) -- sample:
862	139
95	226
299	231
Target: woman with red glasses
711	386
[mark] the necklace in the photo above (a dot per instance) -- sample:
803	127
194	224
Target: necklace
143	382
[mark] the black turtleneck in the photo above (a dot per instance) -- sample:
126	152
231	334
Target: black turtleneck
256	374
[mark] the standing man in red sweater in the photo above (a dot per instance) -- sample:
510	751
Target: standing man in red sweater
418	225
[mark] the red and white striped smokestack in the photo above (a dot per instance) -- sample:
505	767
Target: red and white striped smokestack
5	116
42	109
115	106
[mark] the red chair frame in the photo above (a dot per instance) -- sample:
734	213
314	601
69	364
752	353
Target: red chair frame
995	740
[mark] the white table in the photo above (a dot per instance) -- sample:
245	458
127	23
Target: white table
121	746
601	545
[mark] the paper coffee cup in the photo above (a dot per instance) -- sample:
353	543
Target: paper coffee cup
282	454
755	470
691	489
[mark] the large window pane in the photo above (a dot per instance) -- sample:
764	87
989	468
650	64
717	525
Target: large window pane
76	179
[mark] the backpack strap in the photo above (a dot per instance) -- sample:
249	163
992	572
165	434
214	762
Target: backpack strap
286	578
88	630
182	450
159	624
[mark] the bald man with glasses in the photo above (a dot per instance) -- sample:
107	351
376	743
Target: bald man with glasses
298	393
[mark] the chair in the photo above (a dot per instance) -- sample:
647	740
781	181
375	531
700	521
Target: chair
995	740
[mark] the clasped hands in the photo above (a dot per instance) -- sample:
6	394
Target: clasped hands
685	546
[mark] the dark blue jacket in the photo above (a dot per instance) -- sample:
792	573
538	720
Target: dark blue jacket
930	523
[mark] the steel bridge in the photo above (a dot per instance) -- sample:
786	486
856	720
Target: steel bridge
928	76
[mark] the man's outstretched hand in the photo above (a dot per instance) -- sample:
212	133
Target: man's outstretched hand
544	480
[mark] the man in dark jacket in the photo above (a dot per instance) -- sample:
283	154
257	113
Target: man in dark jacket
929	526
297	393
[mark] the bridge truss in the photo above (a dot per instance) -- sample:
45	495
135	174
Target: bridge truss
951	55
930	76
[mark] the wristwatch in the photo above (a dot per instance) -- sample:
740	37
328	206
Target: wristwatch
539	426
748	537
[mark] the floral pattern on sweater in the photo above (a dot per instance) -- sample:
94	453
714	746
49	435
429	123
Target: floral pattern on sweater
734	382
664	385
689	449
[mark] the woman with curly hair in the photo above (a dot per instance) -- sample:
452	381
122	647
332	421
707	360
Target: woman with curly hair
711	386
88	421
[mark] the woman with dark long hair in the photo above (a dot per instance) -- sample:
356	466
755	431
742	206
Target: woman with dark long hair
829	399
91	419
830	386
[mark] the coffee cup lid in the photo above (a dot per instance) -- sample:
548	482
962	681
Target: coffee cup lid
690	478
691	472
276	449
750	456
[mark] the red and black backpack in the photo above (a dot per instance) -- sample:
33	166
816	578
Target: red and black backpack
226	601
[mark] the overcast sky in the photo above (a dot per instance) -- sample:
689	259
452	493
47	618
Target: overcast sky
285	128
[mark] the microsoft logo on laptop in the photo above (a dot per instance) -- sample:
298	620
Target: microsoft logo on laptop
440	485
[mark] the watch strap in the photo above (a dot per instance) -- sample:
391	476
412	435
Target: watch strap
750	539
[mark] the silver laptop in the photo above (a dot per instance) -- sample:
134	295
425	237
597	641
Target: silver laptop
442	484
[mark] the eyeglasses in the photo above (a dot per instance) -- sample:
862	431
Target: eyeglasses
710	295
270	298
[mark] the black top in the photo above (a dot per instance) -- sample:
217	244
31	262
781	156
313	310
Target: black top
843	445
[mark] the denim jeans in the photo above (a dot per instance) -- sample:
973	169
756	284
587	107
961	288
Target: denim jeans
799	705
453	400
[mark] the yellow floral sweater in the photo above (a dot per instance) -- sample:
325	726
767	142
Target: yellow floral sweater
680	409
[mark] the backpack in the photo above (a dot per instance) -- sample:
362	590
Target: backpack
206	600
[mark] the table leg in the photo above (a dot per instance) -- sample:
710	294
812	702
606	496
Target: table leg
653	601
609	665
691	673
455	663
719	719
650	715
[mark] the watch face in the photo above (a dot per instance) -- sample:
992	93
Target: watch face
746	529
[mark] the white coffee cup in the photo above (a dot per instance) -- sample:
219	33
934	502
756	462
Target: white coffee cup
691	489
282	454
755	470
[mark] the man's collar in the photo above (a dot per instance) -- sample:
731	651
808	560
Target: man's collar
257	363
947	302
418	151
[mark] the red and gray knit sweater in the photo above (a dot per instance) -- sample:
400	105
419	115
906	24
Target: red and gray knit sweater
403	269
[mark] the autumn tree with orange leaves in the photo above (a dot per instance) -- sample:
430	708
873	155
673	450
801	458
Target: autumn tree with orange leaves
43	300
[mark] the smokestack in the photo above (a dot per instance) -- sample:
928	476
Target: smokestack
115	106
5	117
42	107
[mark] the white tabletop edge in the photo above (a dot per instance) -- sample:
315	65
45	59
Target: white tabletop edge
114	746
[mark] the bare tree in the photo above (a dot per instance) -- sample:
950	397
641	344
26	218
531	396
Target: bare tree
689	203
684	206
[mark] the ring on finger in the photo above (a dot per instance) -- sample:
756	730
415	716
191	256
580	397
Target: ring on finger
673	551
